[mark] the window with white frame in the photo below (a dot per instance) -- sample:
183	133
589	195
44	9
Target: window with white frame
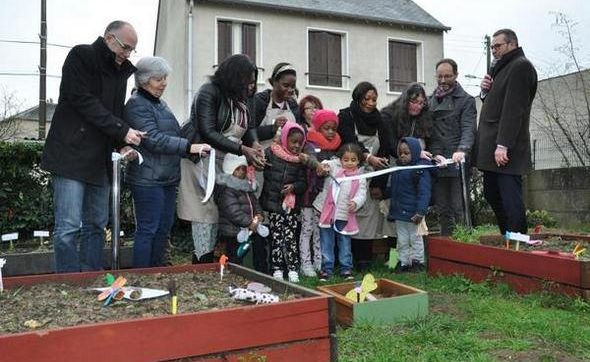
238	37
327	58
403	64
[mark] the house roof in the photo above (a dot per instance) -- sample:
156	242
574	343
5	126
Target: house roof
32	114
402	12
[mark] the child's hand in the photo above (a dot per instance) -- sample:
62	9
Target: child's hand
288	189
351	206
260	218
253	225
303	157
323	169
417	219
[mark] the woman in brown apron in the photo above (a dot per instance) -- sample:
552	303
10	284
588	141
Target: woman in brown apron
221	118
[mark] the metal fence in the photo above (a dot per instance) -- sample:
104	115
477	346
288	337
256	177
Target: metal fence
557	152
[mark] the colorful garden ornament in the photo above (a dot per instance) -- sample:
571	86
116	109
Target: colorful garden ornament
114	291
578	251
363	293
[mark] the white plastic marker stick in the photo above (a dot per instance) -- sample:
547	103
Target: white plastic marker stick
210	176
10	237
41	234
518	237
2	262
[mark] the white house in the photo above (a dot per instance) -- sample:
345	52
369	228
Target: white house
333	44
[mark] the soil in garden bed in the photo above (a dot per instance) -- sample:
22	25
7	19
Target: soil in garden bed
550	243
55	305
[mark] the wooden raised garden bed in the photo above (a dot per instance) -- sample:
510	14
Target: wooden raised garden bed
302	328
525	270
395	303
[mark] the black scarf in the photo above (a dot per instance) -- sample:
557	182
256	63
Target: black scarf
366	123
506	58
148	95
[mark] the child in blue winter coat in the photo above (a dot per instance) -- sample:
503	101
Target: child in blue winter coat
410	194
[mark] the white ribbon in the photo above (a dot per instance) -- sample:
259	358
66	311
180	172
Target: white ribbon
210	176
117	156
385	171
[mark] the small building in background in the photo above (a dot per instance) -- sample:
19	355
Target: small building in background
25	125
333	45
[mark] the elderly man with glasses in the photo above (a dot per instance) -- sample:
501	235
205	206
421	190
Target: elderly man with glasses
86	127
503	150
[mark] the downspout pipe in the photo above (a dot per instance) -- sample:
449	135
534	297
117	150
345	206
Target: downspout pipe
189	61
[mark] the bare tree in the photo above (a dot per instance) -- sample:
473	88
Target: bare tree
564	101
10	105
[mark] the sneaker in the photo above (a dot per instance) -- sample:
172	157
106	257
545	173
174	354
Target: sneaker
293	276
308	271
400	268
324	276
278	275
347	275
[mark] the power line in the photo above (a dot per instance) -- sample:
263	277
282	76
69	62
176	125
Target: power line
33	42
27	74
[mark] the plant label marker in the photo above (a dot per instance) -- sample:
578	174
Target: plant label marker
518	237
222	262
41	234
10	237
2	262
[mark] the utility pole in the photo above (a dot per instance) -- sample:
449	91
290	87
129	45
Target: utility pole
488	44
43	71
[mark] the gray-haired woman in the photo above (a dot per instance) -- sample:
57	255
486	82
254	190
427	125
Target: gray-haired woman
153	183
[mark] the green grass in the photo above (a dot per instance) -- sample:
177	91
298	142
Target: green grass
473	322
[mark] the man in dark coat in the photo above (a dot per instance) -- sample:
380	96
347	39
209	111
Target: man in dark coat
453	133
503	138
85	128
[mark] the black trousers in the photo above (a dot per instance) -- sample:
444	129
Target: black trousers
504	194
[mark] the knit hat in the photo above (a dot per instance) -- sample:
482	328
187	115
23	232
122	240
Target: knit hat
287	128
322	116
231	162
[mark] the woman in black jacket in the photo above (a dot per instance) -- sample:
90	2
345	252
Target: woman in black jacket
361	124
221	118
153	183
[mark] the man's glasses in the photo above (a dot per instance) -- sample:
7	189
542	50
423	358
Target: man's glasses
497	46
125	47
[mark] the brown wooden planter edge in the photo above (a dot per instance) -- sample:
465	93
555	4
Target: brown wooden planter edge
183	335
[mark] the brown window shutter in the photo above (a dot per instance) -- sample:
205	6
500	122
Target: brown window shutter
325	59
334	69
224	40
249	41
402	65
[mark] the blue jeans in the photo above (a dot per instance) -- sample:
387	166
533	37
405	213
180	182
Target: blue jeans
154	215
328	236
81	213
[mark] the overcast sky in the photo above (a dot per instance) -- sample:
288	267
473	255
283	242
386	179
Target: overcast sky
71	22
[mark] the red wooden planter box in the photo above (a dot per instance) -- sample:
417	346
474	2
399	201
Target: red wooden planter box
525	272
301	329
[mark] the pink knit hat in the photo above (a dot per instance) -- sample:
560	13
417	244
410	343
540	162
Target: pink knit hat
322	116
287	128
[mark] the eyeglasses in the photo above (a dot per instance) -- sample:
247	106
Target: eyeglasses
445	77
125	47
497	46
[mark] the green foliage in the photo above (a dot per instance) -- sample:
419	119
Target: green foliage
467	235
540	217
26	201
25	197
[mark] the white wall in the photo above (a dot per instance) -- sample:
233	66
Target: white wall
284	38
